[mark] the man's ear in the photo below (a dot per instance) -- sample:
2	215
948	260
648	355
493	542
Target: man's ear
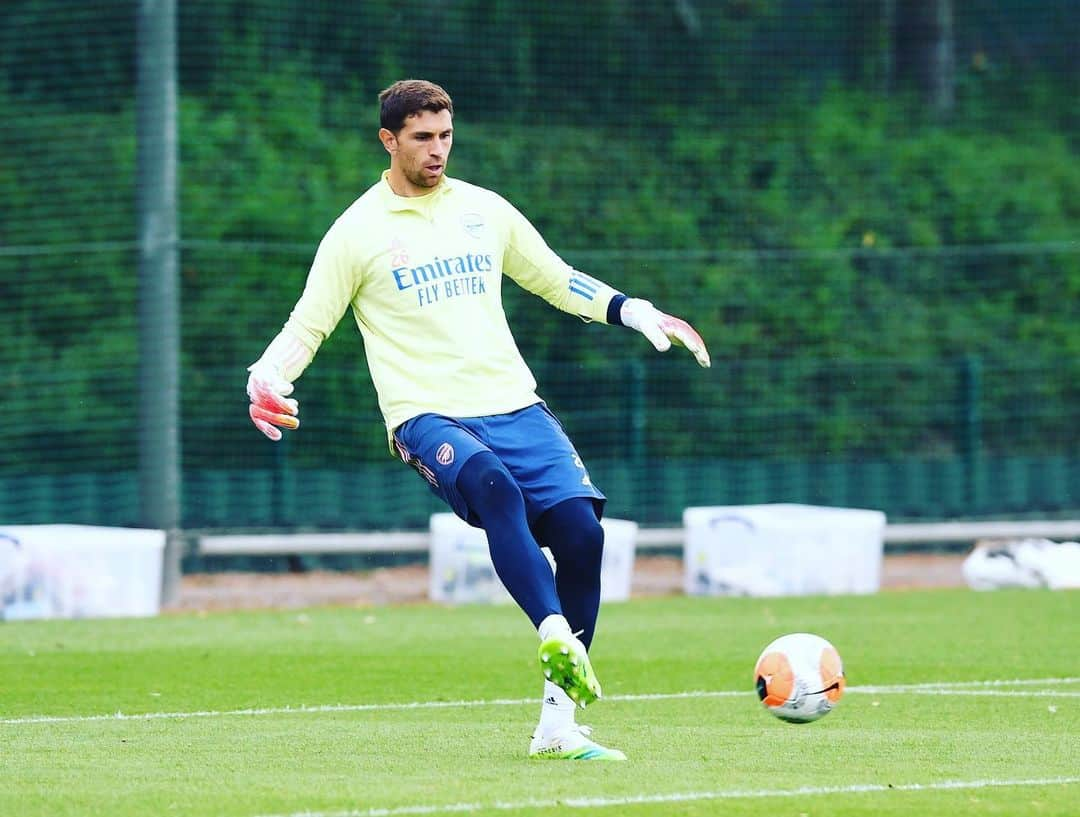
389	141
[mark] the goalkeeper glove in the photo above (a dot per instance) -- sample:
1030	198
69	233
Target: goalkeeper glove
270	403
662	329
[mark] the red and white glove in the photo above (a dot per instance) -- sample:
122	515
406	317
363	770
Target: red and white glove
662	329
271	405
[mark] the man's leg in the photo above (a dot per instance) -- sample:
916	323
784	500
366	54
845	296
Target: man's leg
572	531
462	470
456	458
575	538
495	499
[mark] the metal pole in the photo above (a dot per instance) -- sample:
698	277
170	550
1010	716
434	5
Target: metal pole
970	429
158	312
638	415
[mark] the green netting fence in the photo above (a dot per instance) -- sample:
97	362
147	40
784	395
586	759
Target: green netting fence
874	221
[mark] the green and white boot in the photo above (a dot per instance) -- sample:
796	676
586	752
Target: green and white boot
571	743
565	662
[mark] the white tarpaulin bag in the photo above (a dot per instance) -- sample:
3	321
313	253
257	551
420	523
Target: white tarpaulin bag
1023	563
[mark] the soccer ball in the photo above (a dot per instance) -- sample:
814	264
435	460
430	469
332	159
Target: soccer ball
799	677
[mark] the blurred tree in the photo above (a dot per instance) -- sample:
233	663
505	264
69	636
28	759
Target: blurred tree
925	50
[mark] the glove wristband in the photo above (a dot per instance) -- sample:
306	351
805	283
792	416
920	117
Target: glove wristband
614	310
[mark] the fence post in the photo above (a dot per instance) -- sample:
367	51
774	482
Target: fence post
279	482
637	417
969	428
158	264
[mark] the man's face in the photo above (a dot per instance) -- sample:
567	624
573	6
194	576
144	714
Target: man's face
418	152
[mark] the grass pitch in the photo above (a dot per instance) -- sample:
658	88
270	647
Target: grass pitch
959	703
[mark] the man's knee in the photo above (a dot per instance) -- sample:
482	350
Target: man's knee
486	484
573	533
590	533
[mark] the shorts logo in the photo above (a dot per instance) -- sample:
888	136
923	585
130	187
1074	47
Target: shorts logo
445	454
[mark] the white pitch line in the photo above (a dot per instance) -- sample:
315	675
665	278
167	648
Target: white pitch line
681	797
990	687
275	710
1015	682
989	693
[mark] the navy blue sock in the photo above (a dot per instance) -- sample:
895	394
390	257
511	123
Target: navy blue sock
495	498
572	531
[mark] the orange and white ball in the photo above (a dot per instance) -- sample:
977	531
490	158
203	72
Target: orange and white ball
799	677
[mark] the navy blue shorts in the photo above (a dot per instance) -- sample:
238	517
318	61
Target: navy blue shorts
530	442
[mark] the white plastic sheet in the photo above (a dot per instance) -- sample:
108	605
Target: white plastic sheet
79	571
782	550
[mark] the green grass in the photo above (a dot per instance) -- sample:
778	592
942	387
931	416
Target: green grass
689	755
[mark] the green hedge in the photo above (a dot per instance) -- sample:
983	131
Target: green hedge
867	247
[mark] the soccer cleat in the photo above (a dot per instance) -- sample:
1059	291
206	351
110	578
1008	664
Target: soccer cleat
571	743
566	663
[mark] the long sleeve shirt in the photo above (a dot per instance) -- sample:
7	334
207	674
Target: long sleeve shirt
423	277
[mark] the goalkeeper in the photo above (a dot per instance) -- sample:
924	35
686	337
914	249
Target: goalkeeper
419	258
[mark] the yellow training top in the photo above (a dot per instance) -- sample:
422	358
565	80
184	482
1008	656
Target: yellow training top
423	276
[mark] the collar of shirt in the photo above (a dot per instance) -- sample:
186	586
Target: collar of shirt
420	204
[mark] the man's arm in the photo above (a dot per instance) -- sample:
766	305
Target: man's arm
330	287
539	269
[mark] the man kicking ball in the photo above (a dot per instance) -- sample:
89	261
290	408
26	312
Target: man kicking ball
420	258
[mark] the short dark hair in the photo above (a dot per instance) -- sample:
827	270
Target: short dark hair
408	97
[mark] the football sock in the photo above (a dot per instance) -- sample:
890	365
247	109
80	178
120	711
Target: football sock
556	711
493	495
572	531
554	624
